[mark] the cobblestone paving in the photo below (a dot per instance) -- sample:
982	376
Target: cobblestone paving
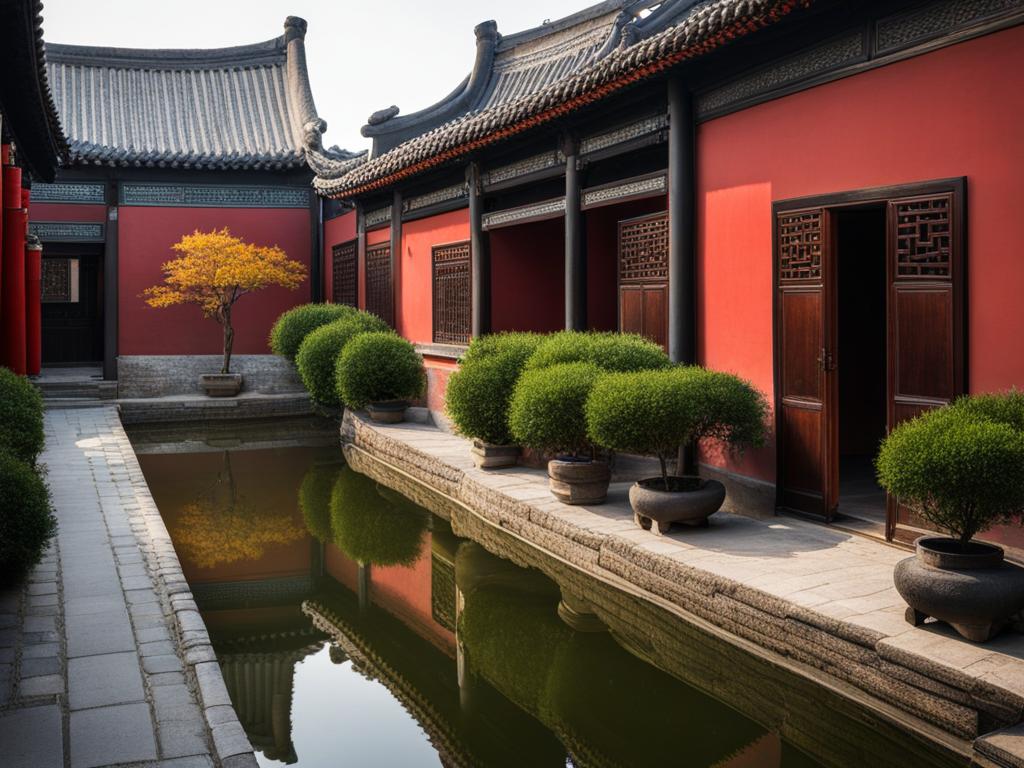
104	659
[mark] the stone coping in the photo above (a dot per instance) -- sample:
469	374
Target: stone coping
806	592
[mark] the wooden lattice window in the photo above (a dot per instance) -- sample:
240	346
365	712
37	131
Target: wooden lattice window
345	274
643	250
380	292
800	245
923	237
453	321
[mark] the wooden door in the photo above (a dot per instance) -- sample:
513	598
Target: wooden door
643	277
72	307
805	374
925	270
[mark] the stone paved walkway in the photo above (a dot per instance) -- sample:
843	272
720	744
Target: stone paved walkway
104	659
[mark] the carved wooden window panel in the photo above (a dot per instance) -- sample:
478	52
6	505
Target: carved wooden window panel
452	291
380	291
923	237
345	274
800	245
643	249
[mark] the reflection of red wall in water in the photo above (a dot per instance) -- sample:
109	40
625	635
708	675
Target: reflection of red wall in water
341	567
267	481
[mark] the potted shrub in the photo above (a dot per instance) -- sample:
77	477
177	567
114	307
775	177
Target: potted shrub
319	352
213	271
381	372
293	326
478	394
547	415
961	469
653	413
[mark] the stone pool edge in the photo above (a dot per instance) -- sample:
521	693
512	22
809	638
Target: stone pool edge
230	742
526	514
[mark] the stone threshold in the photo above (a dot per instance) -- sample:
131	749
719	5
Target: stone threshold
816	598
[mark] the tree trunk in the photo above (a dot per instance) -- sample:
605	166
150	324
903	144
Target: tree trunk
229	339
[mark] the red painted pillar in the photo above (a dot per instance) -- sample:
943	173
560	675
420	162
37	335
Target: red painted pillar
33	306
12	291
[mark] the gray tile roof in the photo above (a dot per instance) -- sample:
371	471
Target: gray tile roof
642	48
244	107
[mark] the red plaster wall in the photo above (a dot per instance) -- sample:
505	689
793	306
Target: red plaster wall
877	128
602	258
340	229
414	315
145	239
528	277
66	212
438	371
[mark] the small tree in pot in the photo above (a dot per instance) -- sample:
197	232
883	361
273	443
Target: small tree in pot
547	415
382	372
654	412
961	469
214	270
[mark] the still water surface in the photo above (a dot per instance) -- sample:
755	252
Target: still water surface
354	628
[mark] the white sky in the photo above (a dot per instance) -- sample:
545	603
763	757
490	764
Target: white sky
362	56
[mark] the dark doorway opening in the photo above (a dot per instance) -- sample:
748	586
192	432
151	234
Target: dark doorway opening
72	285
861	359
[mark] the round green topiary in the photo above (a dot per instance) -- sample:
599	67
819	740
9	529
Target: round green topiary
377	367
478	393
961	471
21	417
610	351
26	518
315	499
547	409
294	325
1001	408
320	351
369	528
654	412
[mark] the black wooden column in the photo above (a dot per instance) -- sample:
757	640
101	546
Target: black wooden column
110	282
681	239
316	264
479	254
396	252
360	251
575	243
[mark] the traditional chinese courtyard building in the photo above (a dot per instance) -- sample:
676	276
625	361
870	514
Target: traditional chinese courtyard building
164	142
814	195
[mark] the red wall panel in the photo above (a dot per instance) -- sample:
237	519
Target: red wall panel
145	239
66	212
528	277
414	318
340	229
952	112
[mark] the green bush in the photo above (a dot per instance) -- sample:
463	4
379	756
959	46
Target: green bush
320	351
961	470
294	325
610	351
654	412
1002	408
21	417
315	499
478	393
371	529
547	409
376	367
26	518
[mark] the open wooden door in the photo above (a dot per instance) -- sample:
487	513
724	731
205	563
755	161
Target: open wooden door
805	377
643	277
925	269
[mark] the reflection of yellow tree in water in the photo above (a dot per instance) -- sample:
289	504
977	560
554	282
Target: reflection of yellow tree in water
220	526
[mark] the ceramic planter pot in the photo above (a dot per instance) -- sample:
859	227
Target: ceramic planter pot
976	592
221	384
691	501
579	481
388	411
490	456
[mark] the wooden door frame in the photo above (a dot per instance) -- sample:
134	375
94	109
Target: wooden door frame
618	269
858	198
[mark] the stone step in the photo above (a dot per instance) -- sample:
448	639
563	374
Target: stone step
56	403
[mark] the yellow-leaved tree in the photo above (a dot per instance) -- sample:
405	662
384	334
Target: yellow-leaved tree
215	269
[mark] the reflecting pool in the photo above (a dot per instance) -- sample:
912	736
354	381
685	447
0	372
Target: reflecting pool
355	628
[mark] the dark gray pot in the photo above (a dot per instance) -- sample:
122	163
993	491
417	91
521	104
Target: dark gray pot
490	456
579	482
656	509
976	593
388	411
221	384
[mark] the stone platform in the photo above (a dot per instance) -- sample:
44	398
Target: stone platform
820	600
